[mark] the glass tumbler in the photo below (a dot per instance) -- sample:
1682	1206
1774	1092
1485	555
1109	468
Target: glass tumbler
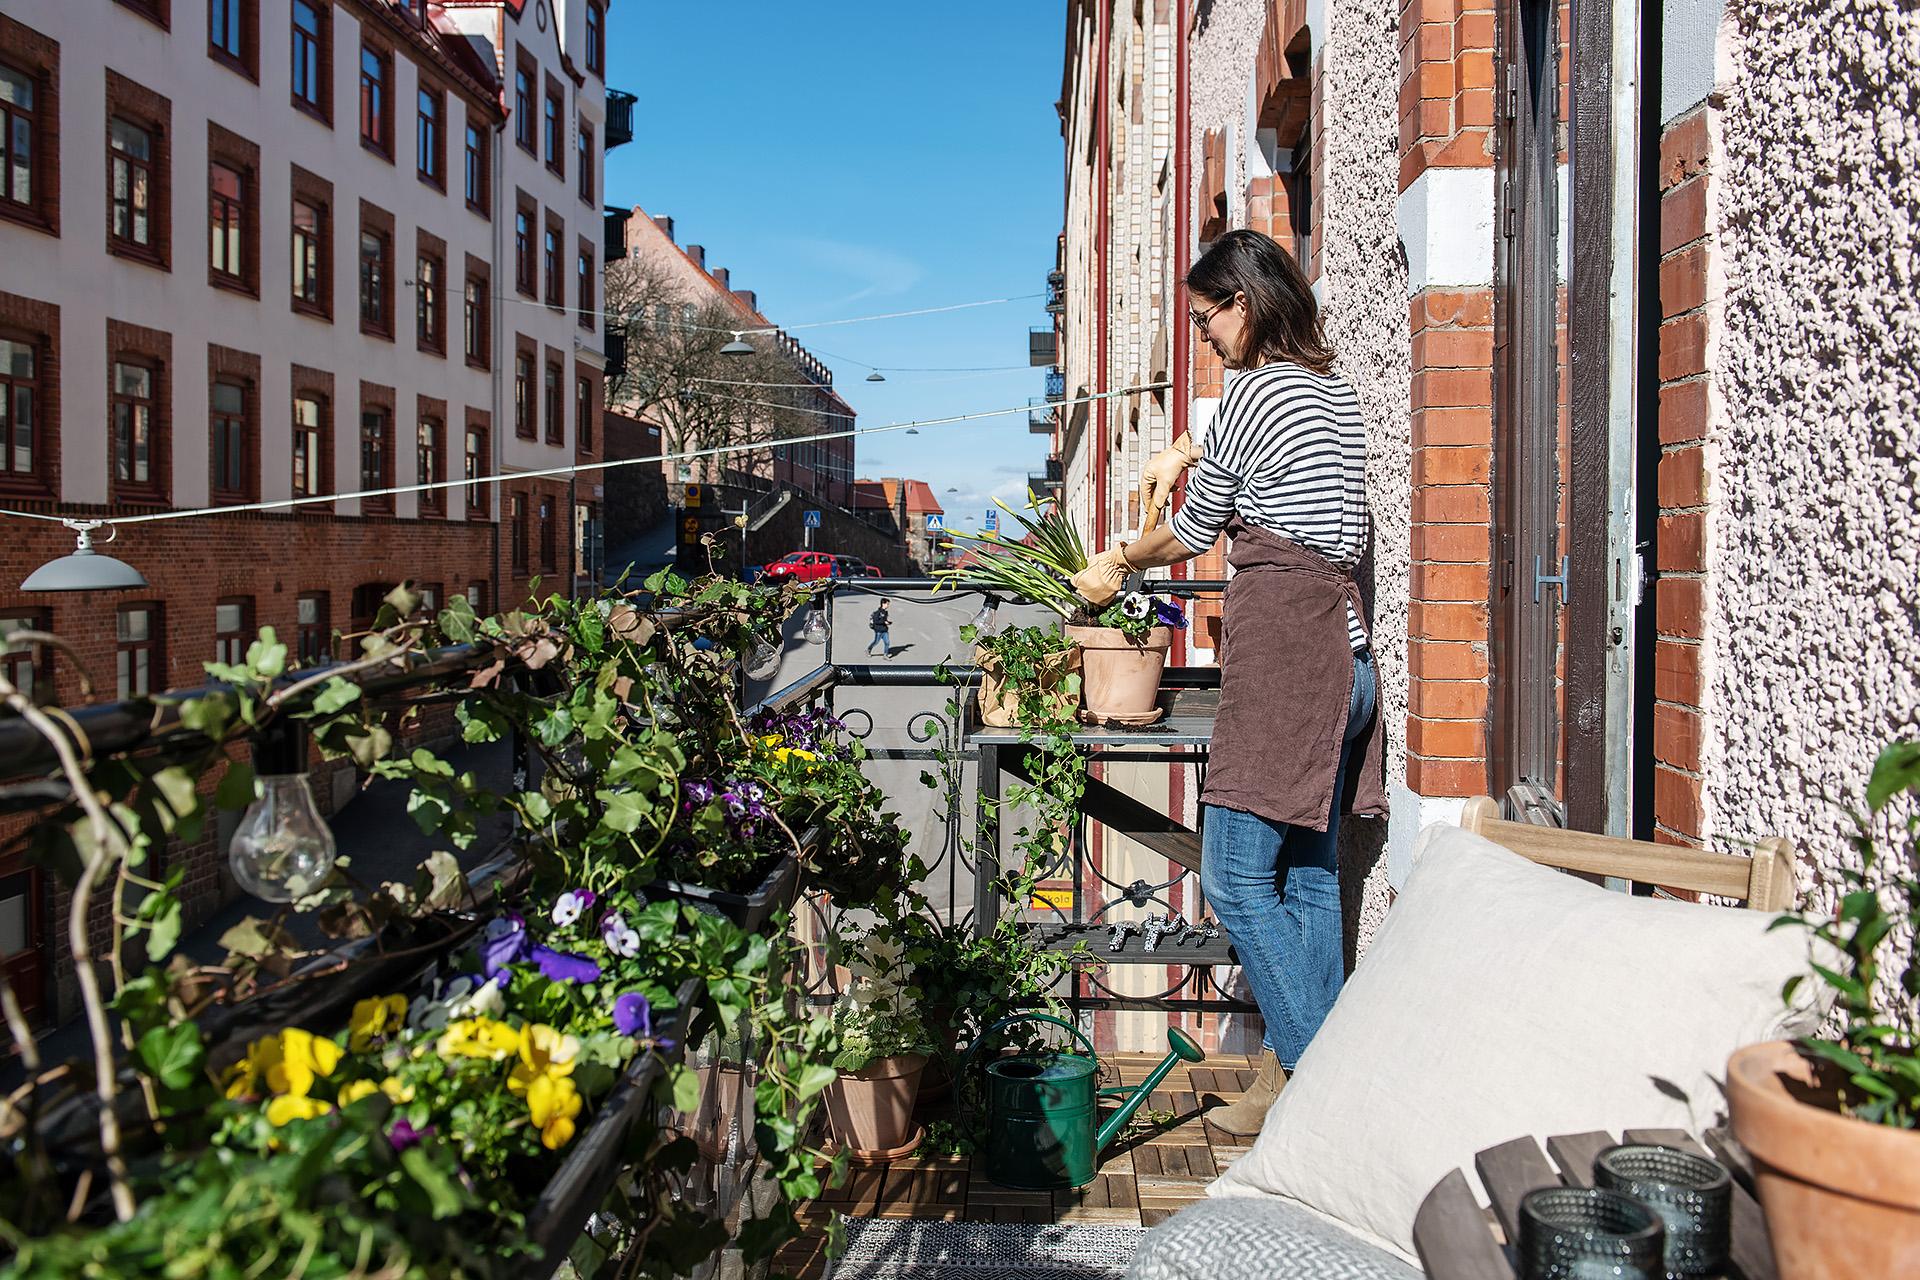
1692	1194
1588	1233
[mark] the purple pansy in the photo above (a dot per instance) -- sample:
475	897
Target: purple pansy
619	935
1169	614
404	1135
570	906
564	966
633	1015
505	943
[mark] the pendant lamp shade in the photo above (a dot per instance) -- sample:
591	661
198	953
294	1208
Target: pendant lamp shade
84	570
738	347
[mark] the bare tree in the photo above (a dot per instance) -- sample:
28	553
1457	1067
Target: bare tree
675	376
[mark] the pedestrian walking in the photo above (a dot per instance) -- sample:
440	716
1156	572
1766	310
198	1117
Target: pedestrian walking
878	621
1283	475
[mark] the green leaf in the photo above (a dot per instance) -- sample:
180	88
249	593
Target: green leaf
369	747
267	657
1896	770
441	1189
812	1079
685	1086
236	786
624	811
164	932
172	1054
335	695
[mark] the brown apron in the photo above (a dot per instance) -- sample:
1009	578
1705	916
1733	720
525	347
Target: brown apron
1286	685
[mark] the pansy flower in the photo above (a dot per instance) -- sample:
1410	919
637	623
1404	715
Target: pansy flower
374	1018
570	906
620	937
479	1038
290	1107
1136	606
543	1052
565	966
404	1135
552	1103
506	942
1166	613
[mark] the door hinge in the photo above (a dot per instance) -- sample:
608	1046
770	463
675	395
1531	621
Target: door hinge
1541	580
1513	92
1506	562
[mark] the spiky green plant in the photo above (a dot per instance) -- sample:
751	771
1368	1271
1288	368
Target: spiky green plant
1037	566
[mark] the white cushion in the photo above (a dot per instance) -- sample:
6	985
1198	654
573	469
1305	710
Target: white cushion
1501	998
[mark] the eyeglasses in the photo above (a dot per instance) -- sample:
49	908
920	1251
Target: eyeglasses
1200	318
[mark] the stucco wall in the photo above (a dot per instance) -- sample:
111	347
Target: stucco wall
1816	658
1363	289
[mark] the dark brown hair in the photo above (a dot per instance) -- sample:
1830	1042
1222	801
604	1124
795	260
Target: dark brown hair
1283	317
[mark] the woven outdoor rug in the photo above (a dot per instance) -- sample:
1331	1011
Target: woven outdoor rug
884	1249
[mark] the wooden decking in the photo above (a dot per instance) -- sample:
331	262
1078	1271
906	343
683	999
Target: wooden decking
1148	1172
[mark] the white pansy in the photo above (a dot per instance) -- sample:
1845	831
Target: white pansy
1136	606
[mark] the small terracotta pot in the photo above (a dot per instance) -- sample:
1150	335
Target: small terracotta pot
1120	677
1842	1196
872	1109
1000	705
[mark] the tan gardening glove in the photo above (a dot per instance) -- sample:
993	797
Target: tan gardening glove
1162	472
1102	579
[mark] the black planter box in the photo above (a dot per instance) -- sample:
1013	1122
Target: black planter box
747	910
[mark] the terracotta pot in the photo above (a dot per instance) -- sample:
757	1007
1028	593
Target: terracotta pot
1000	705
1842	1196
1120	677
872	1109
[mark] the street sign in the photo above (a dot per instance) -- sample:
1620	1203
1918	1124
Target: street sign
695	494
811	519
936	524
993	519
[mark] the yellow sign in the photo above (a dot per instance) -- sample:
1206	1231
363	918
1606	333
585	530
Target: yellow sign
1052	900
693	495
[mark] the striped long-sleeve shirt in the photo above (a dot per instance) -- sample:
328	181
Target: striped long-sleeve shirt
1287	451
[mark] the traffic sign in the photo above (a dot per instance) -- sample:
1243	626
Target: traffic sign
936	524
811	519
695	495
993	519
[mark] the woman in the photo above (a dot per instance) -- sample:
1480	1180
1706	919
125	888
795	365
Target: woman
1283	474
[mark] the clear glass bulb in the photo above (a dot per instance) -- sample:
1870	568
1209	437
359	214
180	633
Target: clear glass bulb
816	629
763	661
283	848
984	620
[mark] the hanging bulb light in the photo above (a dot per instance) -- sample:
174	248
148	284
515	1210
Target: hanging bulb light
86	569
816	628
763	661
988	617
876	376
282	849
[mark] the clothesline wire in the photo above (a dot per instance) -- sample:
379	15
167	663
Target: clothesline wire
543	473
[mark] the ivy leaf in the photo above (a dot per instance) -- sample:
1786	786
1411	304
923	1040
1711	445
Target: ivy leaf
256	939
685	1086
456	621
444	885
1897	770
164	931
433	1180
624	811
335	696
369	747
172	1054
813	1078
267	657
478	722
236	786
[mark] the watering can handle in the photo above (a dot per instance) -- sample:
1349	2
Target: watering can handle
966	1059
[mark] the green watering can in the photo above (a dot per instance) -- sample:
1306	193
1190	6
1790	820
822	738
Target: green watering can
1042	1109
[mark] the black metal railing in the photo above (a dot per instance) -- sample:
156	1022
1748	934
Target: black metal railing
1043	347
619	118
1056	385
613	233
1040	416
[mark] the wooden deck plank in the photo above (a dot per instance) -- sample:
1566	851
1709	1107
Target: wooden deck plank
1509	1171
1574	1153
1450	1235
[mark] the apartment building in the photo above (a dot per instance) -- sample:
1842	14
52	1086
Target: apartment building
259	250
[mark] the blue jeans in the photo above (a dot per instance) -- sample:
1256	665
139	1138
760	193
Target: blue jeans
1276	888
882	642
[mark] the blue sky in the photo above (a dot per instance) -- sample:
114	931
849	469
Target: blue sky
848	157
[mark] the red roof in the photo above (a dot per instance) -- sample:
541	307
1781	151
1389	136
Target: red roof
920	499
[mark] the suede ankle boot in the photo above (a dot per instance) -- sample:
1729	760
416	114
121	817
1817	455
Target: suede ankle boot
1243	1119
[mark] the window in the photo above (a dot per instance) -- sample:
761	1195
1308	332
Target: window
477	597
309	246
523	101
365	604
476	174
374	474
549	551
583	411
430	594
584	154
523	396
428	140
474	466
232	629
223	27
373	284
429	306
556	160
21	141
311	63
133	429
226	201
313	633
474	313
229	426
24	664
20	400
520	534
555	298
130	184
427	437
583	285
376	121
596	39
233	35
556	423
137	654
158	12
309	414
523	250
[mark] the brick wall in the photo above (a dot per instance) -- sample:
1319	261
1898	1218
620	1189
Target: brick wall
1687	400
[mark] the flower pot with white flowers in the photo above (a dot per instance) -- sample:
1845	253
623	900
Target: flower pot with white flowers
883	1049
1123	650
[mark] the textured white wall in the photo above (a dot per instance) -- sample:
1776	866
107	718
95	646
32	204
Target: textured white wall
1689	29
1816	536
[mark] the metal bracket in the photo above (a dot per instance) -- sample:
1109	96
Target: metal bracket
1540	581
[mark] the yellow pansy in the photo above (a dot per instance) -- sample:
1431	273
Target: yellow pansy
373	1018
289	1062
479	1038
291	1107
355	1090
543	1052
552	1103
788	754
397	1091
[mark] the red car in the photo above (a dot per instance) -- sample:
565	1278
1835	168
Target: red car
801	566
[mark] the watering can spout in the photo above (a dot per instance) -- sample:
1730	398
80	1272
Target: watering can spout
1183	1050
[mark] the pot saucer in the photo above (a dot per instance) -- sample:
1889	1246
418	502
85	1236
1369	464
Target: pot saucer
887	1156
1124	722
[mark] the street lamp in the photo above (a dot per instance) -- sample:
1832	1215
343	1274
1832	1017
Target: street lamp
86	569
738	347
876	376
